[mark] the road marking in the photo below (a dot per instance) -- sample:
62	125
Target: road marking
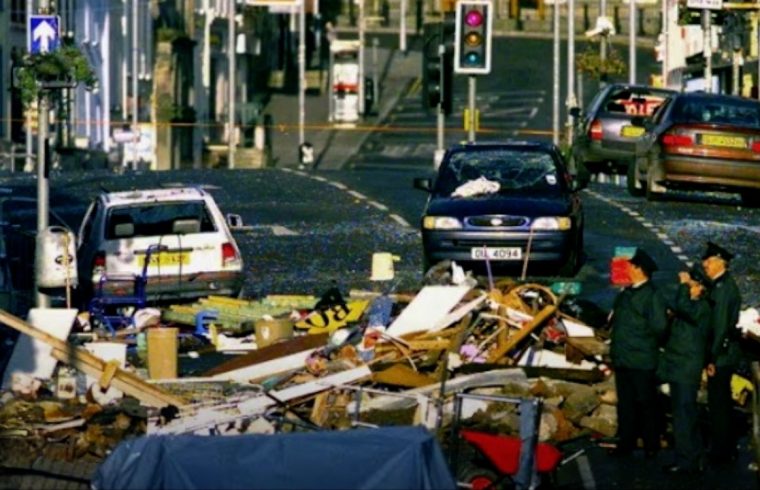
282	231
398	219
658	232
587	476
375	204
357	195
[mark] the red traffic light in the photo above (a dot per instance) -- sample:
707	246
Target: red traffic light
473	18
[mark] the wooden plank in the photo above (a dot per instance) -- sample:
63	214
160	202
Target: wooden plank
521	334
402	375
269	353
434	344
81	359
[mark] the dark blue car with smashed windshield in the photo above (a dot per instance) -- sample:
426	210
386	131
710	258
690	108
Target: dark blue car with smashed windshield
509	205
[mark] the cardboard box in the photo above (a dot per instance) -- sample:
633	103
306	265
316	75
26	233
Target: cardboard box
270	331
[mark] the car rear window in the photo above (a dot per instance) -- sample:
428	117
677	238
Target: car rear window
724	111
156	219
628	102
514	170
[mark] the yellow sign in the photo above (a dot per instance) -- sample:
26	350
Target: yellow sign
166	259
631	131
333	318
467	119
726	141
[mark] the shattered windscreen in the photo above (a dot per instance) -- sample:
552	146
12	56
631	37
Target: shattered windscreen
498	171
707	110
156	219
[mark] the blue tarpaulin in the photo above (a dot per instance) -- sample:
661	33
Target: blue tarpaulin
383	458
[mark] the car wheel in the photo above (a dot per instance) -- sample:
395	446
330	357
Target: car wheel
479	478
633	183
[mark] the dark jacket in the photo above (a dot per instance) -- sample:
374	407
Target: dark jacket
726	303
639	320
685	352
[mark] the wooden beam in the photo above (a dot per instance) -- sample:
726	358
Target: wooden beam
521	334
94	366
402	375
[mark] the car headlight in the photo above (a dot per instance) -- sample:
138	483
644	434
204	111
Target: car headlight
552	223
441	223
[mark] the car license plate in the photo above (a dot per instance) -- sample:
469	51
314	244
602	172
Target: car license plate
725	141
166	259
631	131
496	253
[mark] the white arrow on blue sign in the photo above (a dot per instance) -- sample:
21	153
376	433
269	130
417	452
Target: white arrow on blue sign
44	33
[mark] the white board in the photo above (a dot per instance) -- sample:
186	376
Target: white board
33	357
428	309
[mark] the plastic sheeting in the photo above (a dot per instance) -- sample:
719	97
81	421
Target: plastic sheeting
383	458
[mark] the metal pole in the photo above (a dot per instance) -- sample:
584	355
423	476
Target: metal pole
735	72
440	116
571	100
555	77
231	87
603	37
135	52
301	71
706	28
361	56
665	49
43	185
632	42
472	90
29	163
402	28
757	53
375	75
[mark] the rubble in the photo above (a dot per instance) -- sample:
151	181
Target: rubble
330	362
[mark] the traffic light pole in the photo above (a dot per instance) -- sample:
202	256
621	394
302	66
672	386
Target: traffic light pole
440	116
472	90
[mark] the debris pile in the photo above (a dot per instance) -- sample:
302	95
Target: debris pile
302	362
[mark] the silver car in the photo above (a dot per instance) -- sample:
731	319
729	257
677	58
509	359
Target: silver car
194	253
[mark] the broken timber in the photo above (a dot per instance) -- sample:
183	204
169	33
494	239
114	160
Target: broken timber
94	366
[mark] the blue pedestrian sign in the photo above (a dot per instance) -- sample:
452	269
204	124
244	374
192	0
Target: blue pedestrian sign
44	33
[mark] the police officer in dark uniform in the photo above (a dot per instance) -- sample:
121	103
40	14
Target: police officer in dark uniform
638	322
724	352
681	365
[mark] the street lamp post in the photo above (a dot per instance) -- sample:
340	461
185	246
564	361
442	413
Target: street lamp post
135	51
555	78
571	100
231	88
301	71
632	41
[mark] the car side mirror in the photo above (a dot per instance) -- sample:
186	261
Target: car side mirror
234	221
575	112
423	184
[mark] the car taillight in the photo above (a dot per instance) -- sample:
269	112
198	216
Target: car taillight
99	263
756	146
228	253
671	139
595	131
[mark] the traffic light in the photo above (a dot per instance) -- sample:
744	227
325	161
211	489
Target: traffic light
472	40
437	67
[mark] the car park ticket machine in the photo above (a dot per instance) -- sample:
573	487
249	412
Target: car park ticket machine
344	81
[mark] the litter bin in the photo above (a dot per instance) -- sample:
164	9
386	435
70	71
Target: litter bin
306	154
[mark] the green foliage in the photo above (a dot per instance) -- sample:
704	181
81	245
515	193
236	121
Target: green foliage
170	34
66	65
590	61
168	111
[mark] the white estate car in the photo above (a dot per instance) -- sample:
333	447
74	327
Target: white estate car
196	255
